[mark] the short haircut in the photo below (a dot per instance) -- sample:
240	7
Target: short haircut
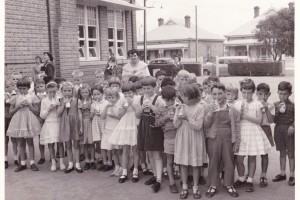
66	84
49	55
232	89
23	82
205	81
190	91
160	73
99	71
112	92
38	57
193	78
114	80
168	92
77	73
128	86
219	86
133	79
97	87
138	85
84	86
148	81
39	81
263	87
168	80
183	73
284	85
51	84
133	51
247	84
179	58
213	78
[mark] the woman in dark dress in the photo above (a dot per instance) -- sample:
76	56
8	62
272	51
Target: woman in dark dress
48	68
178	65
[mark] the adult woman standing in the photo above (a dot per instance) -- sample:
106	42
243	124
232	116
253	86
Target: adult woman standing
36	70
48	68
178	65
135	66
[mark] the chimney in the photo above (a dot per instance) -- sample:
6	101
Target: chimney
160	21
291	5
187	21
256	11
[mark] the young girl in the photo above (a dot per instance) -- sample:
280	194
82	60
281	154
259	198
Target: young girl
84	94
125	134
223	131
70	126
9	97
150	138
24	124
50	129
253	139
189	141
112	116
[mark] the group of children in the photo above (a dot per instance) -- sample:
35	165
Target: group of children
172	126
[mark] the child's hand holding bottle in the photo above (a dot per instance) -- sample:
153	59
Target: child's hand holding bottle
216	106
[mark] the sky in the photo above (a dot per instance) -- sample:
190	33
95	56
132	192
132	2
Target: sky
217	16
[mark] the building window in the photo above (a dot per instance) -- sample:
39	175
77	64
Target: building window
88	32
116	32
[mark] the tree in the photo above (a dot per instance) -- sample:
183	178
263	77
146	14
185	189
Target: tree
277	32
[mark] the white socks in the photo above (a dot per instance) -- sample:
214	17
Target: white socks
250	180
5	158
23	162
125	172
135	171
31	162
242	178
53	166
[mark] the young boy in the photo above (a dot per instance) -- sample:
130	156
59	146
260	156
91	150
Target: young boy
99	76
164	119
284	133
268	110
77	76
160	75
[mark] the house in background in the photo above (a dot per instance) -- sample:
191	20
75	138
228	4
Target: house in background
173	37
80	34
241	41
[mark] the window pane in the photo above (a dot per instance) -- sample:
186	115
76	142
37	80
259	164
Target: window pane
120	35
92	32
92	15
120	48
120	52
80	14
92	52
110	33
120	19
92	44
110	18
81	49
81	31
81	53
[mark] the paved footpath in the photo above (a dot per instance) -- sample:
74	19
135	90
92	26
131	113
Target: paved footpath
94	185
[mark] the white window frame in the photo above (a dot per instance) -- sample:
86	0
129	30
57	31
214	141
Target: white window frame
115	34
86	39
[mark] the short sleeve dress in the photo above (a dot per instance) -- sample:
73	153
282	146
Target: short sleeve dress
70	123
24	123
253	139
189	142
98	123
50	129
87	124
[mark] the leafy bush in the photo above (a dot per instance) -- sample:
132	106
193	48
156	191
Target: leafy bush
255	69
193	68
168	68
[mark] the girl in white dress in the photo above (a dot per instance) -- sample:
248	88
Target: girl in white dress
125	134
253	139
50	129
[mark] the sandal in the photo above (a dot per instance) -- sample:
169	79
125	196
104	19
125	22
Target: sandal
263	182
184	194
197	194
211	192
176	175
232	191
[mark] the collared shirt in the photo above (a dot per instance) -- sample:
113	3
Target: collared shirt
288	117
162	120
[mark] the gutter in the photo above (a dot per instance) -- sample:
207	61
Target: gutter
49	26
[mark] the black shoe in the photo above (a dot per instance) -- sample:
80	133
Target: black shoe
263	182
211	192
135	178
100	161
93	166
249	187
279	177
202	180
151	181
291	181
68	170
146	171
239	183
122	179
173	188
232	191
156	186
17	163
87	166
20	168
34	167
6	164
78	170
42	161
101	166
107	168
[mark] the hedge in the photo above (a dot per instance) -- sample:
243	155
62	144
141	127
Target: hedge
255	69
168	68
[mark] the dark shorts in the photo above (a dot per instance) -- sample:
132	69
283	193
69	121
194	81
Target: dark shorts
7	121
282	140
268	132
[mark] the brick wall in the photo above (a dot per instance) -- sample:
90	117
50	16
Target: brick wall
103	31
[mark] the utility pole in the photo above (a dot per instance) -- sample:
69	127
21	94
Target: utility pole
145	33
196	34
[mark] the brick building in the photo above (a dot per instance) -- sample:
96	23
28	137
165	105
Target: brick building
174	37
80	34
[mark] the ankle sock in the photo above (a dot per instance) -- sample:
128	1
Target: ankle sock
184	186
195	188
282	172
250	180
70	165
16	157
23	162
135	171
124	172
53	161
31	162
61	161
77	165
5	158
242	178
